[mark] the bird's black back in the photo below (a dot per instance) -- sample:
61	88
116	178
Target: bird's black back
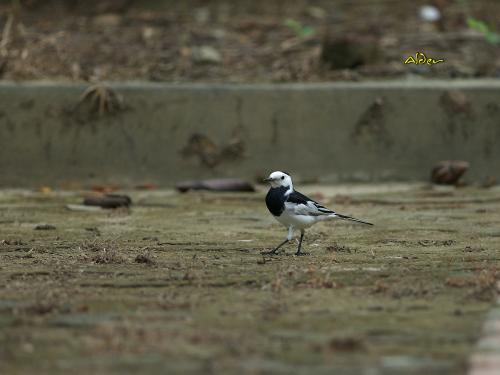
275	200
299	198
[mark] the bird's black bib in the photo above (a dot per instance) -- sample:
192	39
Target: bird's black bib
275	200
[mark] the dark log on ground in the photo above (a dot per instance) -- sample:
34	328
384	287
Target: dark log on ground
220	184
108	201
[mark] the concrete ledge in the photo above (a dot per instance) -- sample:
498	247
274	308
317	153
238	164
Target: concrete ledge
486	357
166	132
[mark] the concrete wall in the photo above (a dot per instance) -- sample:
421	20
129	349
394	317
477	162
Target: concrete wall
165	132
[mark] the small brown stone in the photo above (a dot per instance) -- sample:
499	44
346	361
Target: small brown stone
449	172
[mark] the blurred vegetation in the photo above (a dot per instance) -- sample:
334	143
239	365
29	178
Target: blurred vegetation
298	28
478	25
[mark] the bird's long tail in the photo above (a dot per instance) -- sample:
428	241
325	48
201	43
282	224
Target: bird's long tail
344	217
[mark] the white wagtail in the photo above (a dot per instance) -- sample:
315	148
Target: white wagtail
294	210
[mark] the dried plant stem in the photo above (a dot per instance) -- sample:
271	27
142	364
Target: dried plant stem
4	42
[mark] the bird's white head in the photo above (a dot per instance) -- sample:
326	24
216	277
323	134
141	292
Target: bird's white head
278	179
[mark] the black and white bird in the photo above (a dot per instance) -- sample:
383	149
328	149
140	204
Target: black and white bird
294	210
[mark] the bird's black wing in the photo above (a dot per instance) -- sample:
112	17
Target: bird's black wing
303	205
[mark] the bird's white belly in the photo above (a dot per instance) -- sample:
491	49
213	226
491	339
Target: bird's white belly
297	221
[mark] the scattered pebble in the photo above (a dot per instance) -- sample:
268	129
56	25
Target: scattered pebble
429	13
449	172
108	20
201	15
206	54
148	33
316	12
45	227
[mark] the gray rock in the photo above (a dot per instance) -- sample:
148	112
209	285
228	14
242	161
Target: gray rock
206	54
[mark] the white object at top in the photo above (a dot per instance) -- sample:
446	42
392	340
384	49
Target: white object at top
429	13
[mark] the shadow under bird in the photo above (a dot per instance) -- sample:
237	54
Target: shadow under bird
294	210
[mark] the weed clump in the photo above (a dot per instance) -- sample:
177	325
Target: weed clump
146	257
486	284
104	252
338	248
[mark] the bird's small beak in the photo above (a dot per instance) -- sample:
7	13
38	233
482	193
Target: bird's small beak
267	179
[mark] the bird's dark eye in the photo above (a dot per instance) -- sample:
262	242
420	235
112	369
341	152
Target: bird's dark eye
282	177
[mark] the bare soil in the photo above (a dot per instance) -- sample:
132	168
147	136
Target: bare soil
177	284
242	41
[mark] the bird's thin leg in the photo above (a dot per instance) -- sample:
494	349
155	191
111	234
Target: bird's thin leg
288	238
273	252
302	232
